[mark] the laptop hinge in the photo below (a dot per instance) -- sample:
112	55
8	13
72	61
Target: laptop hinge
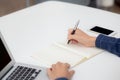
6	72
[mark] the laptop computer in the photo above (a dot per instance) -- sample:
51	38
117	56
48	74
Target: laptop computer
10	70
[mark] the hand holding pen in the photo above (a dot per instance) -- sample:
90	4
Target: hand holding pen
74	29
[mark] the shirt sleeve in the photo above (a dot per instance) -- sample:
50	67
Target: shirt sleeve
108	43
61	78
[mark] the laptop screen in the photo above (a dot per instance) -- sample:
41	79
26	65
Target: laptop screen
4	56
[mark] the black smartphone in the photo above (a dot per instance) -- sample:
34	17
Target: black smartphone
102	30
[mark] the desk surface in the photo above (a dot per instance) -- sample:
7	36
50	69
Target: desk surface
29	30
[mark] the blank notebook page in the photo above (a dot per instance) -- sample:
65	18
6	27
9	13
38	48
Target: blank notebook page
53	54
67	53
87	52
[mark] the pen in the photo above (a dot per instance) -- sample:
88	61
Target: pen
74	29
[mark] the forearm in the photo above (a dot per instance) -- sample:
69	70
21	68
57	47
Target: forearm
110	44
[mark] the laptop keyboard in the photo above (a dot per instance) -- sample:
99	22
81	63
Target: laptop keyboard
23	73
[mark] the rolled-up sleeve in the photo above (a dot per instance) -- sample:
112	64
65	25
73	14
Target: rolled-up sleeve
108	43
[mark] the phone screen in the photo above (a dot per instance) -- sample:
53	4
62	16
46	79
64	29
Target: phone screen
101	30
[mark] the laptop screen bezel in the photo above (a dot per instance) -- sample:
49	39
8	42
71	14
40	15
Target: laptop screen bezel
11	63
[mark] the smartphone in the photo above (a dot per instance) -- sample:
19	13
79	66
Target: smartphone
102	30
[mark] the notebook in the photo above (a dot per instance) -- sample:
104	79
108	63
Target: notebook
66	53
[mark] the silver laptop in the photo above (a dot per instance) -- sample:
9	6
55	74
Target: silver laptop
10	70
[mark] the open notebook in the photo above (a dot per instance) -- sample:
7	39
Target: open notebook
67	53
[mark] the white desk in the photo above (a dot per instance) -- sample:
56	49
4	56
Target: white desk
29	30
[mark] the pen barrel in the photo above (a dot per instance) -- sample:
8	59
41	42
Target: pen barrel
68	41
73	32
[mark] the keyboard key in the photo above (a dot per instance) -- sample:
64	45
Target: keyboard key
23	73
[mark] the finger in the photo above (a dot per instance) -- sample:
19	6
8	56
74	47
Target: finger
49	71
74	41
58	62
53	65
72	72
67	65
56	66
70	37
70	31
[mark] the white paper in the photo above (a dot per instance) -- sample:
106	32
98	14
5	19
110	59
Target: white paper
87	52
66	53
53	54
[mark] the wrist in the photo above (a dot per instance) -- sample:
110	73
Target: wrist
92	41
62	78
